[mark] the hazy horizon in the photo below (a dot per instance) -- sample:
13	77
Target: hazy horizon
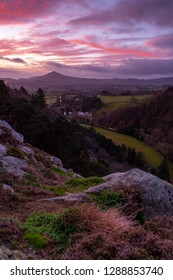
72	76
104	39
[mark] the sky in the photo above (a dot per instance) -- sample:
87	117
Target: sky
86	38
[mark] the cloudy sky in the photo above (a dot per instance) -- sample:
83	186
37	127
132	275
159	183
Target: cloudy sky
86	38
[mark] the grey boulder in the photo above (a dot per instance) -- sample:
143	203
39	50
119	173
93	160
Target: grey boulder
15	135
14	165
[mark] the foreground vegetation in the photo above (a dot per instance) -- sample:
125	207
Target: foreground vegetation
110	226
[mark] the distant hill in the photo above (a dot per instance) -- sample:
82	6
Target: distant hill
54	80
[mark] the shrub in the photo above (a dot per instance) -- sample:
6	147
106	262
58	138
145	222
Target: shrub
39	222
134	243
68	226
59	227
107	199
10	230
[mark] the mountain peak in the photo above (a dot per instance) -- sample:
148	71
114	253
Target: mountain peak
53	73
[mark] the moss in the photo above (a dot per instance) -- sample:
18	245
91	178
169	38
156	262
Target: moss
38	222
15	152
37	240
81	184
61	227
58	190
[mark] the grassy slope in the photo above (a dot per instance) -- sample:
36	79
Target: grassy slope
116	102
153	157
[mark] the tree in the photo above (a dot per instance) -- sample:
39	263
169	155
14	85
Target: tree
38	100
5	103
131	156
3	91
23	91
163	170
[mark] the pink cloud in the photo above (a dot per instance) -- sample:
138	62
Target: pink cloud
56	43
13	47
113	50
23	11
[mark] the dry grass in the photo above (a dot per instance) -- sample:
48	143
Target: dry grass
98	221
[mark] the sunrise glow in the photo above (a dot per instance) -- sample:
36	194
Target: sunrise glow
86	38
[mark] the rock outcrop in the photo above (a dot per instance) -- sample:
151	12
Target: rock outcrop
14	165
75	197
15	135
56	161
8	254
3	150
15	155
156	194
6	187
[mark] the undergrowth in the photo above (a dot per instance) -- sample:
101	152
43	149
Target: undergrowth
108	199
73	222
81	184
60	227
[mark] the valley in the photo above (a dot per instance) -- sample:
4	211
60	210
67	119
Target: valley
153	157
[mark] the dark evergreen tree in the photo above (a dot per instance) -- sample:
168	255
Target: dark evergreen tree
3	92
38	100
163	170
131	155
5	103
24	91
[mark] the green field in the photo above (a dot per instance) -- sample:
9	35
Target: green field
154	158
115	102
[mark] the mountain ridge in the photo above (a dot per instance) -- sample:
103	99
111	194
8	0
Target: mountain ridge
57	80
